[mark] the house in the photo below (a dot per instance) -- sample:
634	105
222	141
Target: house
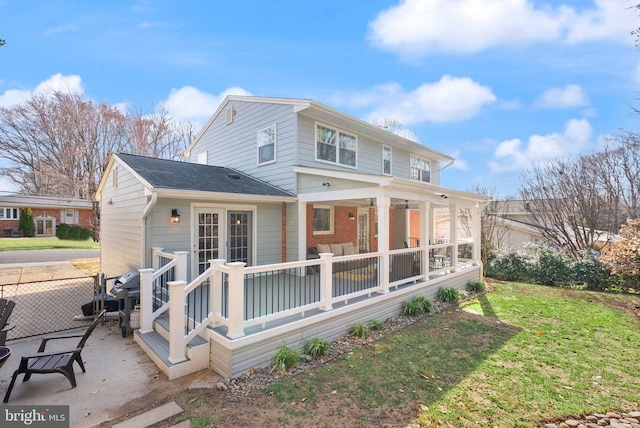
514	225
48	213
289	220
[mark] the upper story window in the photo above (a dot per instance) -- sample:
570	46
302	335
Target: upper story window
8	214
420	169
267	145
386	160
333	145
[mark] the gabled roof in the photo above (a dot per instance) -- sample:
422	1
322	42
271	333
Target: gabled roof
322	112
44	201
186	176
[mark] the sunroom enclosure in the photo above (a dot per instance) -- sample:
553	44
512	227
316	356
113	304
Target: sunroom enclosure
232	304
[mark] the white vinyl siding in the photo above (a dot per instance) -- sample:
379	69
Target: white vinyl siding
336	146
267	145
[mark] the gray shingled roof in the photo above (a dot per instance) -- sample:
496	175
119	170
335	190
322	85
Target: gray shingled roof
167	174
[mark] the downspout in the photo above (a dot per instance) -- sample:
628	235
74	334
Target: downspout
145	214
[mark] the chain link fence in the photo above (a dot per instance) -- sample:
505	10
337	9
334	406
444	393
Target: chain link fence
49	306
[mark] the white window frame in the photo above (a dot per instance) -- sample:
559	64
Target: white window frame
339	133
388	149
330	210
420	174
10	213
71	217
259	143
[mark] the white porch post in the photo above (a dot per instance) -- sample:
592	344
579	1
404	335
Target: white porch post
302	231
181	265
424	236
236	299
215	295
326	284
155	258
453	235
383	204
176	321
476	235
146	300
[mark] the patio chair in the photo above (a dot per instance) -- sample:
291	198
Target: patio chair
5	353
56	361
6	306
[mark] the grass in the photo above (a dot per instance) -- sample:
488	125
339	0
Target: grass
46	243
519	356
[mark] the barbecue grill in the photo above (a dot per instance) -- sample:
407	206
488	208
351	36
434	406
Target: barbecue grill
126	288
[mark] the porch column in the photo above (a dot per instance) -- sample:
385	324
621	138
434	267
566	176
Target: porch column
236	299
424	207
383	203
177	344
326	283
476	235
181	265
453	235
146	300
302	230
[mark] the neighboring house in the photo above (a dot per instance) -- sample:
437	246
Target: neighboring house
48	213
273	188
514	226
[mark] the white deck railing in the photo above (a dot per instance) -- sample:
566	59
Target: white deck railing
239	297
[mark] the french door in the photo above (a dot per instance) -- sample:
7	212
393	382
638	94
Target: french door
363	232
221	234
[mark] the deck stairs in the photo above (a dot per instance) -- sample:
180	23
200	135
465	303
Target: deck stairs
156	345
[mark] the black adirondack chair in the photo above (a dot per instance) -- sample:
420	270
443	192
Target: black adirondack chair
6	306
57	361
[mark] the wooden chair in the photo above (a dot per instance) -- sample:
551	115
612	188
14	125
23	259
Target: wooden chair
56	361
6	306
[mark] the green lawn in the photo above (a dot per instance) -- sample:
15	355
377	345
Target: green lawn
45	243
518	356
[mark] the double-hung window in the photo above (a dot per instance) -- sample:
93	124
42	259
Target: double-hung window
420	169
335	146
267	145
8	214
386	160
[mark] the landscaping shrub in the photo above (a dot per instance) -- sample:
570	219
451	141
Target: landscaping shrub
416	305
316	347
359	330
376	325
591	272
26	224
448	294
75	233
477	286
532	263
284	358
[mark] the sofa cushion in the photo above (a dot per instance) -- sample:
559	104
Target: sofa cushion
323	248
348	249
336	249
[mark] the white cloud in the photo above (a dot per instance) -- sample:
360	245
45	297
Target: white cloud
191	103
416	28
57	82
514	155
451	99
559	98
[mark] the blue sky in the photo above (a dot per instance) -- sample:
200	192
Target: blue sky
499	84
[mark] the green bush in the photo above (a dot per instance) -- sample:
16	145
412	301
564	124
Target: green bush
534	263
476	286
316	347
284	358
448	294
62	231
359	330
416	305
26	224
75	233
376	325
589	271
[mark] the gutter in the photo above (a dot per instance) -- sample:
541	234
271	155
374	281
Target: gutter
447	165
